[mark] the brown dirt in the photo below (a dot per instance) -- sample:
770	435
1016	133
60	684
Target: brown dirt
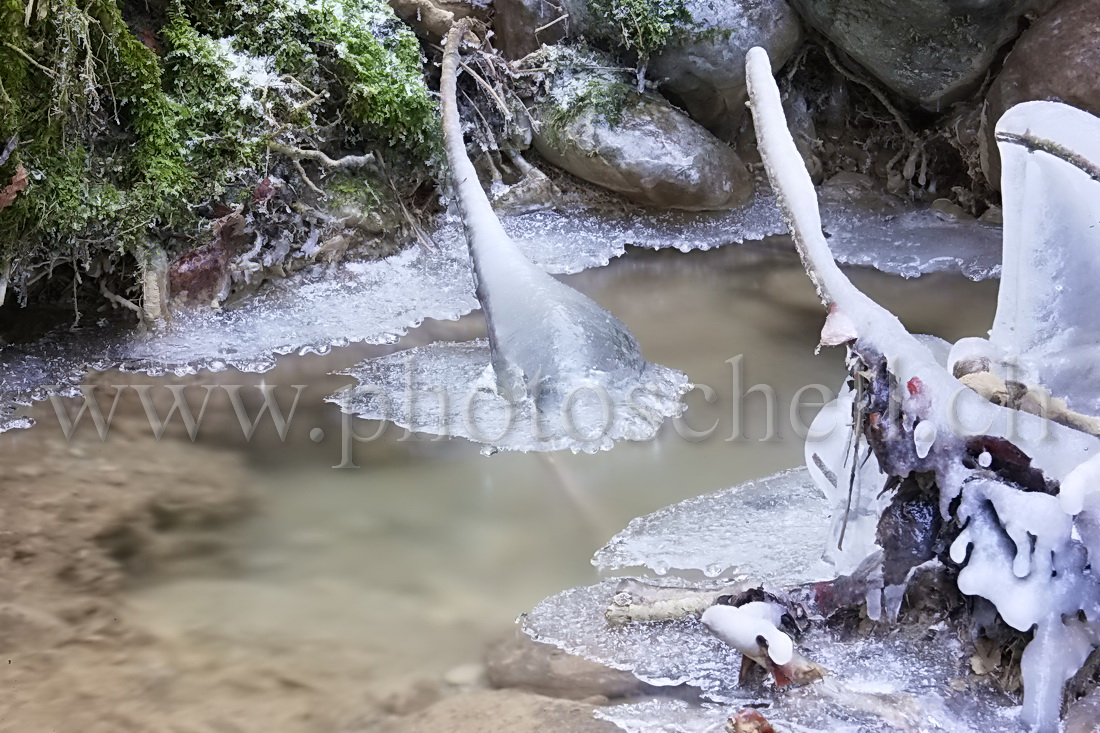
76	529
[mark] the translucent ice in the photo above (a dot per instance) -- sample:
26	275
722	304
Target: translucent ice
773	530
904	239
541	332
849	476
449	389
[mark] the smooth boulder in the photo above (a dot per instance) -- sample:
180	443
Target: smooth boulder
1057	58
930	52
597	127
703	70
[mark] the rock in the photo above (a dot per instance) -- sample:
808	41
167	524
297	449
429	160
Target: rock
1057	58
930	52
516	24
704	72
1083	716
597	127
503	710
518	661
433	18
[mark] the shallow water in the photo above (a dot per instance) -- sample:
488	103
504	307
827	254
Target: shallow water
410	563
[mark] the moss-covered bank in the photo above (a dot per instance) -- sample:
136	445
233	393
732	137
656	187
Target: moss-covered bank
134	120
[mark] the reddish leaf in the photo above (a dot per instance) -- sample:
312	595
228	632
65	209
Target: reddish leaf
263	192
18	183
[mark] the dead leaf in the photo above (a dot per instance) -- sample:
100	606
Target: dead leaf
18	183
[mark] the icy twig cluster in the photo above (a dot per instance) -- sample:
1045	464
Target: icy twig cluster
1021	547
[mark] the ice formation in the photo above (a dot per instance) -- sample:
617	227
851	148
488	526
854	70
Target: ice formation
1021	492
540	330
1018	548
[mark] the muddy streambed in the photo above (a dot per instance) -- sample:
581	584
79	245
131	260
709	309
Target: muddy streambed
247	585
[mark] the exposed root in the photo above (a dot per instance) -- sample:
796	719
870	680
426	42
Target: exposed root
297	154
118	299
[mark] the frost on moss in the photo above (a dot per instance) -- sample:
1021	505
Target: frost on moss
132	116
636	27
580	81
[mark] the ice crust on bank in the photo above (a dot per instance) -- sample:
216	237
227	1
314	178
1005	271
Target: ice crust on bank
449	389
379	301
876	684
726	532
902	239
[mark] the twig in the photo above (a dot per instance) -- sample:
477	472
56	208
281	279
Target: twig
302	173
873	89
552	23
28	57
296	154
1034	144
492	92
117	299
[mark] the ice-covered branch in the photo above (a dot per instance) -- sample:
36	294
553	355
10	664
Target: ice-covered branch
540	331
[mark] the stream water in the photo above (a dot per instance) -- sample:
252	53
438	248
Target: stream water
412	562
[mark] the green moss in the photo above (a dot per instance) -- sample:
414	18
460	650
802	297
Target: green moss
641	27
356	52
599	96
123	139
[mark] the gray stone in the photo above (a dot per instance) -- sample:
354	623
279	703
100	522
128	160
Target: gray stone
516	24
704	71
639	146
931	52
1083	716
518	661
1056	58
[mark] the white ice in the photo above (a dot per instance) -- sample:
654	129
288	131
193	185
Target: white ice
1046	321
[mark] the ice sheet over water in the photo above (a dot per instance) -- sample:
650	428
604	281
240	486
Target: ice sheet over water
888	682
898	238
310	312
773	529
449	389
378	301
